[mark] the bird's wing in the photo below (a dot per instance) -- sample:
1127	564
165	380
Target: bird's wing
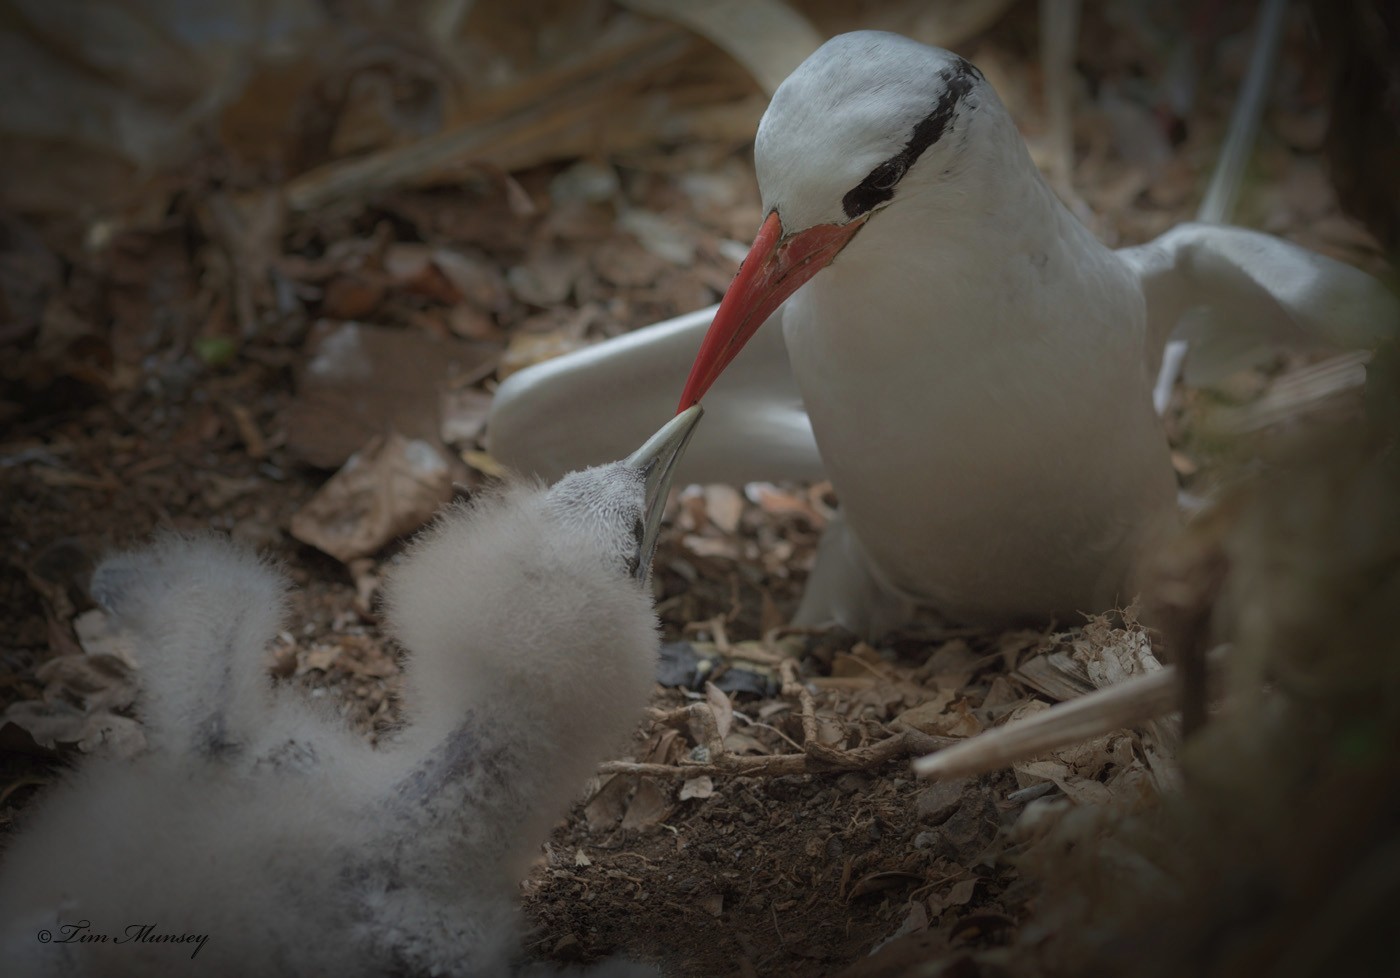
1238	290
201	612
600	403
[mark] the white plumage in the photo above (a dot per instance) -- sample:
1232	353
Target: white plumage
286	842
976	367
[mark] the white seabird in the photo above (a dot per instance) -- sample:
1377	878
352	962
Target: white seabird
970	367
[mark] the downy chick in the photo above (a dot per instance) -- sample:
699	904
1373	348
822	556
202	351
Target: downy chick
257	835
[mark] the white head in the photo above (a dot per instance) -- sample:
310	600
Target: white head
618	507
866	117
870	119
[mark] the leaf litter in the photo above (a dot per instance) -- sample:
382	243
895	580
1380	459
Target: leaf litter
174	367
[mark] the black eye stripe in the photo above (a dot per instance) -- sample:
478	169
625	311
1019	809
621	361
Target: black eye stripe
887	174
878	185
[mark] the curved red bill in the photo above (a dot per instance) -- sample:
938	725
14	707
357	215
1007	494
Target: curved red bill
777	266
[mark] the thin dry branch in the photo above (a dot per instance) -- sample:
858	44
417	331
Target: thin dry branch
529	111
1103	711
815	759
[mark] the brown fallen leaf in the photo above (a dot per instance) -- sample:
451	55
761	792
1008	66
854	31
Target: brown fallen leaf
464	413
547	276
363	380
389	488
722	708
701	787
354	296
478	280
605	809
927	717
99	637
92	683
724	506
626	263
54	724
528	349
650	805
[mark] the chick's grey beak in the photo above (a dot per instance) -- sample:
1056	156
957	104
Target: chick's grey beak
656	460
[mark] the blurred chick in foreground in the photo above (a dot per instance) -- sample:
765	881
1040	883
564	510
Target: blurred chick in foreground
273	841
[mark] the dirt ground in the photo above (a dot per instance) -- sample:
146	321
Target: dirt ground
158	378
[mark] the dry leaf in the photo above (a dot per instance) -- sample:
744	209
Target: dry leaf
93	683
738	742
664	747
960	893
659	236
722	708
650	805
98	636
464	413
926	717
476	280
937	803
587	181
485	464
957	720
320	657
626	264
915	921
701	787
777	501
387	490
528	349
55	723
547	276
605	809
724	506
364	380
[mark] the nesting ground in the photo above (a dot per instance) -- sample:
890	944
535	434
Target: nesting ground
160	380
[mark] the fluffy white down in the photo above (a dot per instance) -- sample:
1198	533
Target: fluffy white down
287	843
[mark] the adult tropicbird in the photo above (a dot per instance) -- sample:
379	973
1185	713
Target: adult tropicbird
256	835
976	367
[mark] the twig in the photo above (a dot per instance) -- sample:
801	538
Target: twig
543	104
1074	721
816	759
793	686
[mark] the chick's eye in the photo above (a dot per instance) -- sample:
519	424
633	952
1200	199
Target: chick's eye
638	529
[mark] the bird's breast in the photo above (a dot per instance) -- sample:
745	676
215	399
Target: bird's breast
988	429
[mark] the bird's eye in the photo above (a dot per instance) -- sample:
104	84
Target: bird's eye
634	559
876	188
887	174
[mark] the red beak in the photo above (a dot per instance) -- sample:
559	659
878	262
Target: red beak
777	266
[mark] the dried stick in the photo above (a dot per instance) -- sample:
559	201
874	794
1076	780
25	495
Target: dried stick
815	759
536	106
1103	711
